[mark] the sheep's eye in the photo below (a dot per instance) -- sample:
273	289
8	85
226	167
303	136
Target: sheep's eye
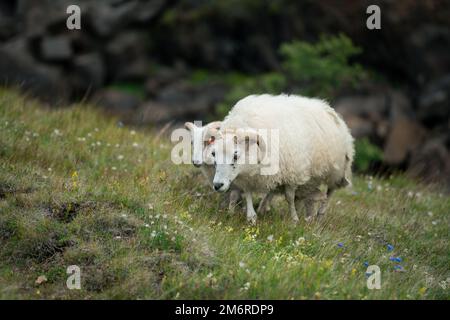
213	154
235	157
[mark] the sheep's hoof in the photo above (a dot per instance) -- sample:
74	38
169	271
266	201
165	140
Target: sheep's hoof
295	220
252	220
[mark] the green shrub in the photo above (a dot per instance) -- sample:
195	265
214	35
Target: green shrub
323	68
366	154
320	69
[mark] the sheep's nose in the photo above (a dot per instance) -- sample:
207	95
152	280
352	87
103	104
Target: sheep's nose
196	163
217	186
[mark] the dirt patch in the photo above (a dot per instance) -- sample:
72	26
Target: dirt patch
66	212
7	189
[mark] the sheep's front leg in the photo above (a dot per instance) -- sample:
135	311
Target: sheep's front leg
251	214
264	205
234	198
290	197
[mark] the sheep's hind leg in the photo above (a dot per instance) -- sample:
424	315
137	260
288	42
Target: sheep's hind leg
324	203
290	197
264	205
251	214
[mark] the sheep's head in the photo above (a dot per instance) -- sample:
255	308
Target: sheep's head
236	152
202	139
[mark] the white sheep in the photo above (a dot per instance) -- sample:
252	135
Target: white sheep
315	148
202	139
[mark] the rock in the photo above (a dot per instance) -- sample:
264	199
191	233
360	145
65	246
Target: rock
127	57
404	137
373	107
56	48
108	17
428	46
40	280
431	162
434	102
19	68
158	113
195	99
89	71
117	102
359	126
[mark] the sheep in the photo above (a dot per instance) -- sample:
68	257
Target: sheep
202	139
315	147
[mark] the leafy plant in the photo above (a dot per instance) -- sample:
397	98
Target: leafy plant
323	68
320	69
366	154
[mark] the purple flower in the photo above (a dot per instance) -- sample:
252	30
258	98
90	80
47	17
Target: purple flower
340	244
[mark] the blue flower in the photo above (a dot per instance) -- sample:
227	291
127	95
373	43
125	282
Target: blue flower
366	264
396	259
398	267
340	244
390	247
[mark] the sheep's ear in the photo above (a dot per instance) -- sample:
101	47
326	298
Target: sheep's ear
189	126
251	136
215	125
212	130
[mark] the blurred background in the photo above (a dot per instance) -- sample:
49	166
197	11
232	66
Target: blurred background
155	62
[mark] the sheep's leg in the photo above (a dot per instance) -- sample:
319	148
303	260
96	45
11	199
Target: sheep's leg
234	198
309	208
290	197
251	214
324	203
264	205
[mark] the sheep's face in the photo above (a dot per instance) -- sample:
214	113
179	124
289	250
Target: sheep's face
234	154
202	139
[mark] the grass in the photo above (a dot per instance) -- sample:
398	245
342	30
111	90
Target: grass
76	189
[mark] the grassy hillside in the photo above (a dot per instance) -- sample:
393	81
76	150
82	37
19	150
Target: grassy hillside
76	189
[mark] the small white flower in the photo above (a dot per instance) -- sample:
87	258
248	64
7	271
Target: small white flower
132	132
146	225
270	238
120	157
430	214
135	144
241	264
113	168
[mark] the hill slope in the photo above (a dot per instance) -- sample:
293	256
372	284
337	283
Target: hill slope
76	189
